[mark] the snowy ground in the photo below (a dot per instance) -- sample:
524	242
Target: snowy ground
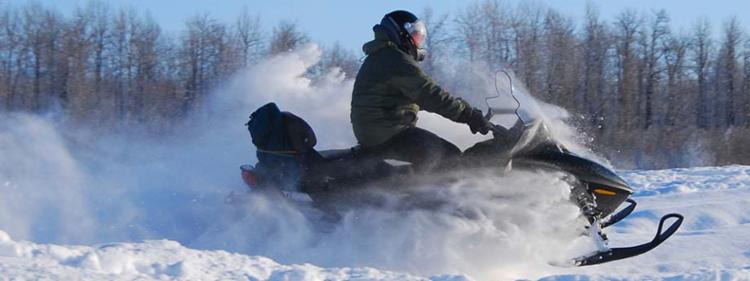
158	260
714	241
713	244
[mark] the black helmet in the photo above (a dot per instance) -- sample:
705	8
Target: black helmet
406	30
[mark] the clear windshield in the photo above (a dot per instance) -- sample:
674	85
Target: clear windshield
513	108
512	102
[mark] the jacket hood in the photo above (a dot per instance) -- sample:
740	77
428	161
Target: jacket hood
381	41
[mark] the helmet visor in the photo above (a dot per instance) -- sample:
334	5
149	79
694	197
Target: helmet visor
418	32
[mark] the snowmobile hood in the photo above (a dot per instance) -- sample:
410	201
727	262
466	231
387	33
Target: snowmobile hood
584	169
594	172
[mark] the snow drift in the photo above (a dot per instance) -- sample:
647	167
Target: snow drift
161	259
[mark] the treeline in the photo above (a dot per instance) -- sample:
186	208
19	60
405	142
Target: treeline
647	94
110	66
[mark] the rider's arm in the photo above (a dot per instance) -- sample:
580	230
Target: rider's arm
420	88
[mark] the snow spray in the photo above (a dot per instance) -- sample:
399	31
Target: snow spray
70	185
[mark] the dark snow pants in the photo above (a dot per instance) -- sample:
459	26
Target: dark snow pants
420	147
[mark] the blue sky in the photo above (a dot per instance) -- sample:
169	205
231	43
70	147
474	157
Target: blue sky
349	21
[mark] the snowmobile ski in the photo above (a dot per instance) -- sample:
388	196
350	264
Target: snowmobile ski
627	252
621	214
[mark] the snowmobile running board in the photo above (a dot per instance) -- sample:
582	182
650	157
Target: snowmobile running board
627	252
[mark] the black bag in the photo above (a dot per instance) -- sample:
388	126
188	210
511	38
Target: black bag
283	141
275	131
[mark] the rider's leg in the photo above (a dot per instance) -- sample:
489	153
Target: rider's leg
420	147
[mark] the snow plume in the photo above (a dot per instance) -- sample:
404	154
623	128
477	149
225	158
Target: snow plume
322	102
494	226
488	227
475	82
40	182
70	185
65	184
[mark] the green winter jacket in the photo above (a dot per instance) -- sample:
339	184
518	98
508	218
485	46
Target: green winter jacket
390	89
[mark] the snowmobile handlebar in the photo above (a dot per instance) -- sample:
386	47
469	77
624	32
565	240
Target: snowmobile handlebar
498	111
508	135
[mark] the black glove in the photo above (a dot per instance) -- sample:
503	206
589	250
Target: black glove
476	121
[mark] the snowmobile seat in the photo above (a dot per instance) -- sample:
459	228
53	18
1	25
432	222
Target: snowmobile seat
338	154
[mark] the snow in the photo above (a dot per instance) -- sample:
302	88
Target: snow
713	244
160	260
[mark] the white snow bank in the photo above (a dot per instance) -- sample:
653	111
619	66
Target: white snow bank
690	180
160	260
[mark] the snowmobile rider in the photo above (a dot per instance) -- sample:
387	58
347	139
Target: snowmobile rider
391	88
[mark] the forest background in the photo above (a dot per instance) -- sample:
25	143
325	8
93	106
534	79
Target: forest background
641	93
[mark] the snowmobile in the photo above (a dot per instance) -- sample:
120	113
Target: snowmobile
290	167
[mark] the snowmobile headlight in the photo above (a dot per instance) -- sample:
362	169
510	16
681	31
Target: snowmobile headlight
601	191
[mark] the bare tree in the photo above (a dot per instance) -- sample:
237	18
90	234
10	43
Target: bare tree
484	33
207	57
100	24
659	30
496	20
470	31
560	61
528	28
34	44
11	54
145	53
438	39
122	61
626	28
286	37
729	73
594	52
745	110
701	50
248	35
4	45
76	47
341	58
679	99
